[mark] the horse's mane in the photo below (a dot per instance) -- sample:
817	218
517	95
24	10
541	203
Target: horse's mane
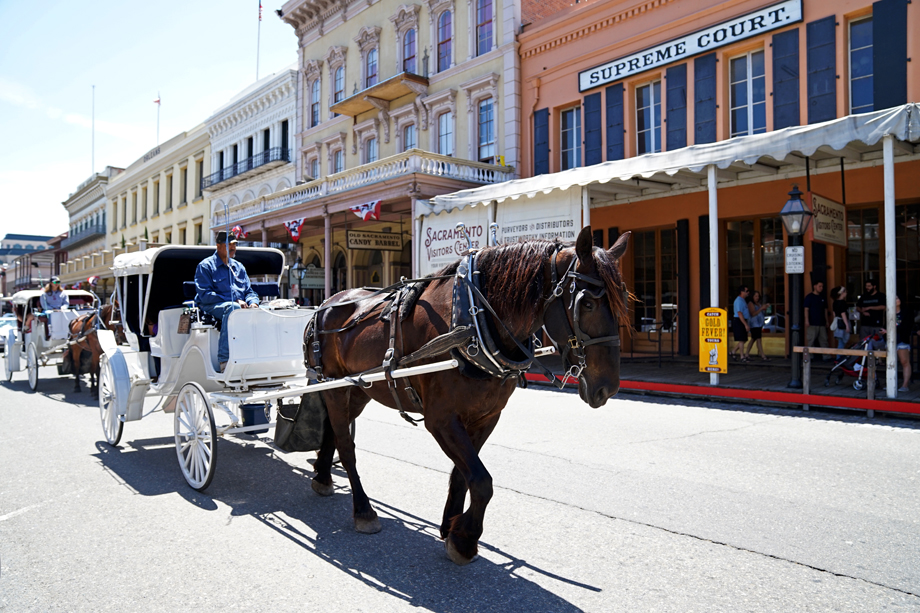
513	278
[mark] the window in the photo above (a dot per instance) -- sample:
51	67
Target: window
907	241
483	26
370	150
445	134
371	63
338	161
748	95
156	198
266	139
198	236
169	192
409	138
199	178
114	214
314	168
181	236
314	103
444	41
740	239
648	118
571	138
183	186
861	98
655	286
133	207
339	93
124	211
863	249
409	51
486	131
168	239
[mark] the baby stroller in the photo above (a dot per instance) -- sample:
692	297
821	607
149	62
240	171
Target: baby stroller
855	365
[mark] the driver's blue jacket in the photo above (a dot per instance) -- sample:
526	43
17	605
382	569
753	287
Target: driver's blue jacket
217	283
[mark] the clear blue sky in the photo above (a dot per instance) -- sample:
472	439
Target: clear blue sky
196	54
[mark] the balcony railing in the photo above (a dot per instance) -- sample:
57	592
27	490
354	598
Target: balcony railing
414	161
84	235
269	156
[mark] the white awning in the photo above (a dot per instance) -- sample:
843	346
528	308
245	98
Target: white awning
851	137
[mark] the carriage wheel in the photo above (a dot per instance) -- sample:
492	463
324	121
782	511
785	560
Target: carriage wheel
196	436
112	425
32	366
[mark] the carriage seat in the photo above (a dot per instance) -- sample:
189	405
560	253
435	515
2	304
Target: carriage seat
262	288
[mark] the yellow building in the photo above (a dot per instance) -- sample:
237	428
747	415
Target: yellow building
398	103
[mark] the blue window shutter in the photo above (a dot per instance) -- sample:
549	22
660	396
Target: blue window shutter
704	89
541	142
615	135
889	53
786	79
822	69
677	107
593	128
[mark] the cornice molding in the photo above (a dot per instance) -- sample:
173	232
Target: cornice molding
312	69
368	37
406	17
285	92
597	26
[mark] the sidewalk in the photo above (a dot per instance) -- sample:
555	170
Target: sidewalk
756	381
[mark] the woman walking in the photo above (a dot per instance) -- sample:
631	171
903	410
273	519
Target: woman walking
904	331
756	321
843	329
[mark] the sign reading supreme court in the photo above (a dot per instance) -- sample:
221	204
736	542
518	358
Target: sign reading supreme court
752	24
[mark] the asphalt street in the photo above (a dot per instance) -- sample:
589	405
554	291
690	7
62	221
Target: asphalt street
642	505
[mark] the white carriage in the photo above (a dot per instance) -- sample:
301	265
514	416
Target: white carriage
40	338
266	361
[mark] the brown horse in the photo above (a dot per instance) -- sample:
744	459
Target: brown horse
575	292
85	350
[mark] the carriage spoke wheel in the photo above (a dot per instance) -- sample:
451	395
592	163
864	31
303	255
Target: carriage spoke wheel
112	425
196	436
32	366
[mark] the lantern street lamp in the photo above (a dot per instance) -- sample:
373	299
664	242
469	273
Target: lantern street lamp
295	275
796	218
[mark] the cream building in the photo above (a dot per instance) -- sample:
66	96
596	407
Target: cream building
251	139
86	209
398	103
156	200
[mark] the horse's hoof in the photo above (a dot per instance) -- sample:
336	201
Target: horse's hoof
455	556
368	526
321	488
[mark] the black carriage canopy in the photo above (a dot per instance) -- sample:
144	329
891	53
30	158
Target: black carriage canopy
169	268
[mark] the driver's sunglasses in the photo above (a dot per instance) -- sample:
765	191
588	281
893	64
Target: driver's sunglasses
55	283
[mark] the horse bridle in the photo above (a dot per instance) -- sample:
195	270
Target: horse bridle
577	339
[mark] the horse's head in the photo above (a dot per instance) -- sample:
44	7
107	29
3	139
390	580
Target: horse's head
583	318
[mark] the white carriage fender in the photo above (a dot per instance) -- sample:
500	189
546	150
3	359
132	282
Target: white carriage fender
121	378
12	350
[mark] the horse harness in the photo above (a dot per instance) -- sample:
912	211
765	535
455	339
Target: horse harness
469	333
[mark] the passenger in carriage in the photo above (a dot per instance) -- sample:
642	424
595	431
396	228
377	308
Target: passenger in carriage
53	297
223	287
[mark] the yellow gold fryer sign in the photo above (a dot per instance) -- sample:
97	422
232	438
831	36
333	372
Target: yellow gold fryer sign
713	340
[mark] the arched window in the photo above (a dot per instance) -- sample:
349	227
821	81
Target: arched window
486	131
314	103
483	26
409	51
339	94
444	40
445	134
370	150
409	137
371	63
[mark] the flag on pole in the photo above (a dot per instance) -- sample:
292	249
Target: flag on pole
260	10
293	227
157	101
238	231
369	211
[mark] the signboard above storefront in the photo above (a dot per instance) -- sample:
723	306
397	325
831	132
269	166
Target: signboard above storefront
703	41
830	221
383	241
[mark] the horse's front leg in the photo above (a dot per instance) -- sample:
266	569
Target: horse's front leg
75	361
464	529
456	491
343	406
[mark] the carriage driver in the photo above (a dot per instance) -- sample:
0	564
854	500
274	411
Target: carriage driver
223	287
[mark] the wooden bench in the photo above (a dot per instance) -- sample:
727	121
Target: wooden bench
871	355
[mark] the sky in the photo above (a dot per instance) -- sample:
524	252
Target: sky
195	55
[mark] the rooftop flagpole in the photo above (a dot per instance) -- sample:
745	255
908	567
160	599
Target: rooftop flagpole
157	102
258	40
92	170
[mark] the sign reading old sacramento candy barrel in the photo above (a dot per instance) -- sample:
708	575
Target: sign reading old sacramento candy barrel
713	340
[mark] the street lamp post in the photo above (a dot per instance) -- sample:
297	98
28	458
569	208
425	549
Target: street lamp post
796	217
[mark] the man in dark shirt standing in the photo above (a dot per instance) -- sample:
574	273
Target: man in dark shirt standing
816	317
223	287
871	308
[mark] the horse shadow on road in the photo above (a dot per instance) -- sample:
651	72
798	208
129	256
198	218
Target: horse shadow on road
406	560
59	388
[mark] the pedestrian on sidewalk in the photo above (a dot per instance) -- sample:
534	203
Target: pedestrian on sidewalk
816	317
757	310
871	308
740	325
839	306
904	331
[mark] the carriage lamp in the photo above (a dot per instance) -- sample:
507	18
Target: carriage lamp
796	218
